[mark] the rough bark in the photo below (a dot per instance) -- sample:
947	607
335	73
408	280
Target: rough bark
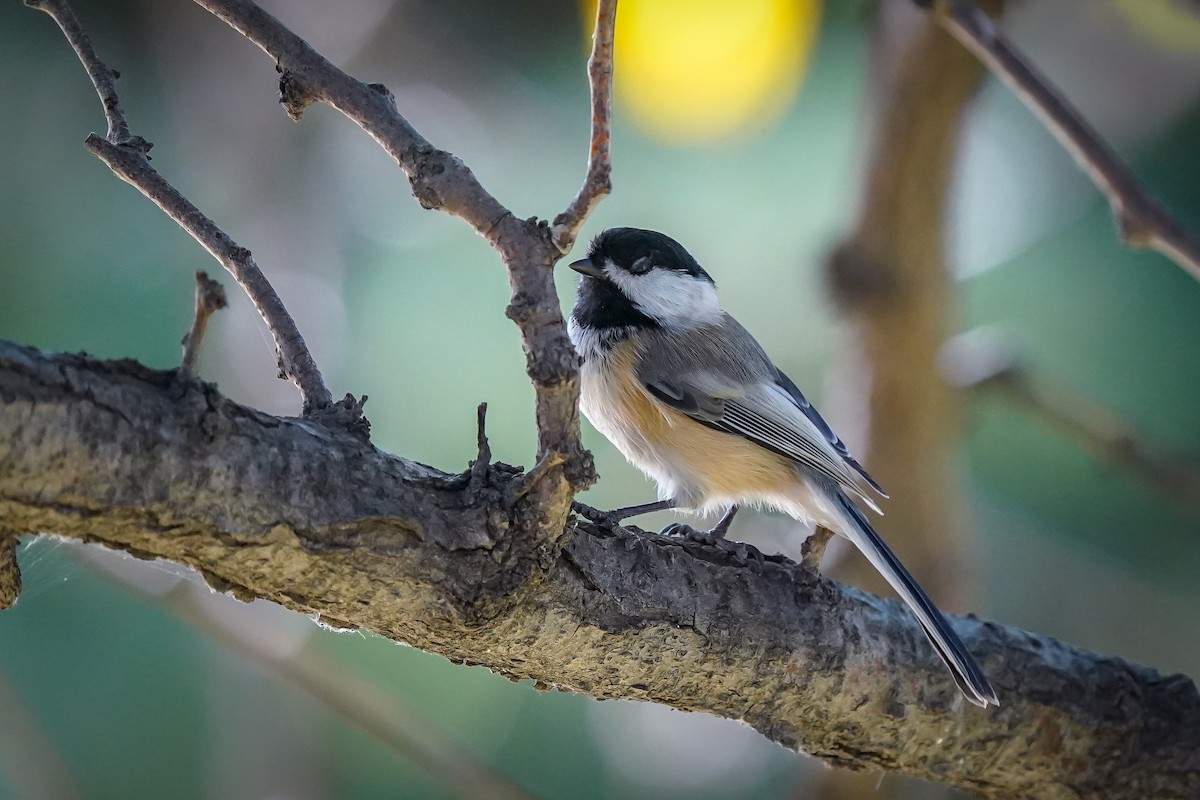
317	519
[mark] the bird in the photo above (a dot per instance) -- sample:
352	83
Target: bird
691	399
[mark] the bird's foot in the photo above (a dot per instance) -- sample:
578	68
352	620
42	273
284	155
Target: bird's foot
709	537
748	555
743	554
595	514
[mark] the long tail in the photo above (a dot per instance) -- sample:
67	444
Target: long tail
945	641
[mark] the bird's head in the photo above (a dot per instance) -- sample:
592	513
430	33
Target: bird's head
639	277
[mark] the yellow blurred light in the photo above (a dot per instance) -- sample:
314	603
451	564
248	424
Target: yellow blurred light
702	70
1170	23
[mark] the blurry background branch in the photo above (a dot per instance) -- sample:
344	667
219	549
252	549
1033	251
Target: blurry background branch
29	762
979	360
115	453
891	279
1141	220
445	761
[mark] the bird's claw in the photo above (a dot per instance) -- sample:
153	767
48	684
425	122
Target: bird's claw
691	534
748	555
595	514
744	554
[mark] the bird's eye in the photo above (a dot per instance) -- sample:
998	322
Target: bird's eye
641	266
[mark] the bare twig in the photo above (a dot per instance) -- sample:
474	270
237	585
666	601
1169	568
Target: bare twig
210	298
813	549
1142	222
126	156
295	361
483	449
351	697
103	78
598	182
974	360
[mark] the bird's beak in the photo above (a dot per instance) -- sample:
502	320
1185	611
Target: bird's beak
584	266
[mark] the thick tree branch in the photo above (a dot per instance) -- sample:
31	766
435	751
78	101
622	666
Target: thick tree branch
1142	222
320	521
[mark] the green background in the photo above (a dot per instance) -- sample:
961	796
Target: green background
125	700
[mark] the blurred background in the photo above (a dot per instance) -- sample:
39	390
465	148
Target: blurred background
749	131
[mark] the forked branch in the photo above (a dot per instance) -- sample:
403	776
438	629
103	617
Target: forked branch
442	181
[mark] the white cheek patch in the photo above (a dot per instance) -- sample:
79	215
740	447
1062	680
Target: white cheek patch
669	297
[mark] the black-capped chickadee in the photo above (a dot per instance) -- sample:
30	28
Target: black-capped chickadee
690	398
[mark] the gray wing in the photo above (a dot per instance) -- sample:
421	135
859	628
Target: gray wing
811	412
721	378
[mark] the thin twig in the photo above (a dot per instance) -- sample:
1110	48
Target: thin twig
598	182
295	361
103	78
125	155
210	298
813	549
482	464
975	360
1142	222
439	179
